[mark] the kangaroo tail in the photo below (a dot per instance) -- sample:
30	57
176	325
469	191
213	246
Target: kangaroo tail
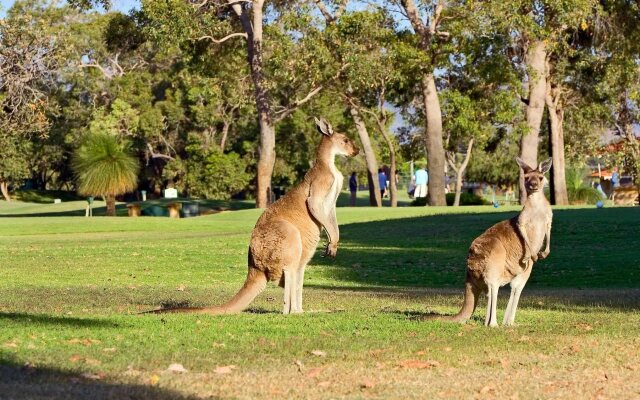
471	294
255	283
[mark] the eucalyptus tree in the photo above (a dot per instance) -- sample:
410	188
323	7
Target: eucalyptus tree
534	31
429	44
337	41
371	76
30	55
618	52
266	28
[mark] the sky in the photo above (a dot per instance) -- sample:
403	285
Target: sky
120	5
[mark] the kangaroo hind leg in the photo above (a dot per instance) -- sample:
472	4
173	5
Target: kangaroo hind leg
290	252
492	303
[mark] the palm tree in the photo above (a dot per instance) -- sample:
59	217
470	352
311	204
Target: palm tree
105	167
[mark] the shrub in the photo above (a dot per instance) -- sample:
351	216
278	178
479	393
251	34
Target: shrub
578	191
466	199
208	174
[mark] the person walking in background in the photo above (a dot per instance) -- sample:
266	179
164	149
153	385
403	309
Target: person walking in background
421	178
615	181
353	189
382	181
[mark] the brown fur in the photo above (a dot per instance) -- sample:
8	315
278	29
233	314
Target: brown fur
505	253
288	231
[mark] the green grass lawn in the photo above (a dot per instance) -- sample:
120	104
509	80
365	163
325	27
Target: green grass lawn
70	289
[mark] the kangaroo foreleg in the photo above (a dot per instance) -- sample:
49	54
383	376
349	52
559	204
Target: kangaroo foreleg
328	221
547	240
528	254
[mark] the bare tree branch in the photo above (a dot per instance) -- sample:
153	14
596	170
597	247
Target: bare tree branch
325	12
414	17
158	155
293	106
218	41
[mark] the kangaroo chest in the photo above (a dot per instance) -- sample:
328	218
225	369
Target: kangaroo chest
537	222
334	191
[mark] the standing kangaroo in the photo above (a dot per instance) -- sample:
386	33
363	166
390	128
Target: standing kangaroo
288	231
505	253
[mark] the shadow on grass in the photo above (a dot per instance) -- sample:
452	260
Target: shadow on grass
590	248
24	318
31	382
121	210
574	300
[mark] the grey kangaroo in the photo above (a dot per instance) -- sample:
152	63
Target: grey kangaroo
505	253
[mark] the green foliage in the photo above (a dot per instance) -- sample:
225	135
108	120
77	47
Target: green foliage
14	158
208	174
104	166
578	190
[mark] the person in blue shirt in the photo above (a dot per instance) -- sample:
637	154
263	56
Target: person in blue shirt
615	180
353	189
422	179
382	181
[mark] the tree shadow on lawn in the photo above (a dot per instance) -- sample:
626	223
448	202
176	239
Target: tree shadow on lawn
31	382
121	210
25	318
590	248
574	300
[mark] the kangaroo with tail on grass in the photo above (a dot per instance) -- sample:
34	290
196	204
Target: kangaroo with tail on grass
288	231
505	253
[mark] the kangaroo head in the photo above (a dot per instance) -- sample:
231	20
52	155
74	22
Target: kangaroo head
534	179
341	144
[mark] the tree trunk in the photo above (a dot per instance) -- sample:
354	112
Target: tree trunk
375	199
558	185
393	186
4	188
460	171
267	148
111	205
435	150
225	134
535	60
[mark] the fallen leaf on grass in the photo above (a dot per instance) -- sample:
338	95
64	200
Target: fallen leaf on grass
367	384
11	344
180	288
319	353
486	389
176	369
418	364
314	372
109	350
324	384
154	380
75	358
91	361
92	376
299	364
226	369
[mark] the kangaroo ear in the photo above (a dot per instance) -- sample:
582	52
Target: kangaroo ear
523	165
545	166
323	126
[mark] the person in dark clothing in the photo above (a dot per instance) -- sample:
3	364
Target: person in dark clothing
353	189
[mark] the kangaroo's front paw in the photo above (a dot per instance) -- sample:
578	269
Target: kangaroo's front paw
332	249
525	259
534	257
543	254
